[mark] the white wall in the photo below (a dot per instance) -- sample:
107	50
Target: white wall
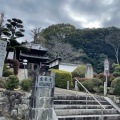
67	67
10	55
22	74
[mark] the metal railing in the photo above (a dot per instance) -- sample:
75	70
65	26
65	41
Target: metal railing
87	92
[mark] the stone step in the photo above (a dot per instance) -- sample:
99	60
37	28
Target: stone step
83	102
81	106
65	112
73	107
90	117
2	118
73	97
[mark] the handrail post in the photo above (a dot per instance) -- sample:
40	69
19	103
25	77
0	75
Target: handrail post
76	87
102	114
86	99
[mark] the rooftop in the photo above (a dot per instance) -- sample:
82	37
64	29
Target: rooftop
35	46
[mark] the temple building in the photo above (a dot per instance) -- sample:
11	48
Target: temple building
36	57
36	53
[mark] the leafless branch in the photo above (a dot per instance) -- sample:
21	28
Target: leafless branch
2	16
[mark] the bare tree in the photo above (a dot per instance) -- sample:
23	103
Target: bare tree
35	32
114	40
58	48
37	37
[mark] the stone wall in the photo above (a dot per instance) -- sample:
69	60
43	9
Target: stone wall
15	104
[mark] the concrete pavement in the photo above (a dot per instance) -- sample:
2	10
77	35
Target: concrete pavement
60	91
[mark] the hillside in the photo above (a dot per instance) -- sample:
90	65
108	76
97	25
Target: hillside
79	45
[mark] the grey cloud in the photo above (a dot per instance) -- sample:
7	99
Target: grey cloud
114	14
98	10
42	13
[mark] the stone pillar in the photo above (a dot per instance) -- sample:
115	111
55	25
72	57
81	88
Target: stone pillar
89	71
105	88
42	98
3	45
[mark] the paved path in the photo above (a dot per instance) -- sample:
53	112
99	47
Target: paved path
59	91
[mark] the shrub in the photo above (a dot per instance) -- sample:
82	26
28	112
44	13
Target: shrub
102	77
110	90
2	83
100	90
81	79
4	67
115	82
92	85
116	90
26	84
114	65
116	85
88	85
61	78
116	74
12	82
7	73
117	69
96	82
79	71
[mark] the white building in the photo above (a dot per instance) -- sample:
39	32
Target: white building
57	64
67	67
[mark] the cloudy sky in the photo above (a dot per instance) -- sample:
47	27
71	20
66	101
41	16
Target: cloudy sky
80	13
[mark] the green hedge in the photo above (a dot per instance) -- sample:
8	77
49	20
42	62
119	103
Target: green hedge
61	78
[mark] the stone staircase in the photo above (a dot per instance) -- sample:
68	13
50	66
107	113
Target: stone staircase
74	108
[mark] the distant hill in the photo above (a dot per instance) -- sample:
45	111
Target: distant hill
88	43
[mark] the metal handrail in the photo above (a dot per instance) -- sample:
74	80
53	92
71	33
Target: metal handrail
91	94
102	107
